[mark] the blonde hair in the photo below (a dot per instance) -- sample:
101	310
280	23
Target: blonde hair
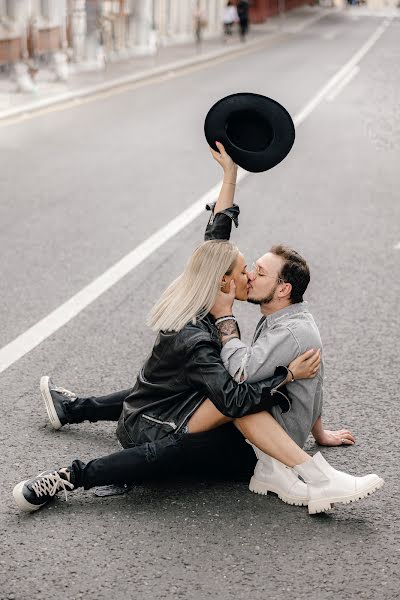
193	293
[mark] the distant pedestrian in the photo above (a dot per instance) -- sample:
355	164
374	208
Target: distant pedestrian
230	17
199	22
243	14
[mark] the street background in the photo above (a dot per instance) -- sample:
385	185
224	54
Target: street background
80	188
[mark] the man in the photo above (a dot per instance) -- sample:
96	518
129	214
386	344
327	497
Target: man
287	329
243	14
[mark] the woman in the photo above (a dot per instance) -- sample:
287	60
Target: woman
229	18
182	391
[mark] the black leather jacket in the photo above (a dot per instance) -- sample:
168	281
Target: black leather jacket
184	369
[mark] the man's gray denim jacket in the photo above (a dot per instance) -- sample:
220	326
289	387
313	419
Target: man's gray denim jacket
278	339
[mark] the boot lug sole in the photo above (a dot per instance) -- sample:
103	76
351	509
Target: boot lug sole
258	487
49	404
326	504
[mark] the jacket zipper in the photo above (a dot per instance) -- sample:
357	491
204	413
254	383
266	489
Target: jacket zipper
276	391
187	417
170	423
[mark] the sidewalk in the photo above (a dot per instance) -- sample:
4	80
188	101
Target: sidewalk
168	58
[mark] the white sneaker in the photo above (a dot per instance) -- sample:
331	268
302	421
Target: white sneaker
326	486
271	475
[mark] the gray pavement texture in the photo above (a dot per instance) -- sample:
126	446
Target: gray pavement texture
83	186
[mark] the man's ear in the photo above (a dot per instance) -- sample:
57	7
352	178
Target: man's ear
286	290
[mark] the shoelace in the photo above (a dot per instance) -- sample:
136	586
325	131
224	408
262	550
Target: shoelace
64	392
48	484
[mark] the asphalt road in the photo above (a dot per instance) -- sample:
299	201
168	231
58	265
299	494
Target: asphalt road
79	189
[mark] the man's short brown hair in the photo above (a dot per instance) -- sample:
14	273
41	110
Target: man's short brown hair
295	271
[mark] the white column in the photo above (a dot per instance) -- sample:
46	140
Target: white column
186	12
78	18
213	24
55	11
144	38
20	12
162	19
174	19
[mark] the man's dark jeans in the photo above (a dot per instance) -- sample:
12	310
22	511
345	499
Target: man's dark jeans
221	453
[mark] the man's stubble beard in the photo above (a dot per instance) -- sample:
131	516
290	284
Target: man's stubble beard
266	300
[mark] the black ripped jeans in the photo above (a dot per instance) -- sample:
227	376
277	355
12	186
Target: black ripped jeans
221	453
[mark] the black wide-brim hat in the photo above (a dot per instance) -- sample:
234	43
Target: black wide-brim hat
257	132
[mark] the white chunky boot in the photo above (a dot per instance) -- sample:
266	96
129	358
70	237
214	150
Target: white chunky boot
327	486
271	475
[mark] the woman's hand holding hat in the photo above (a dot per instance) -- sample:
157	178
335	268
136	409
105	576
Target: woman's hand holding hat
222	158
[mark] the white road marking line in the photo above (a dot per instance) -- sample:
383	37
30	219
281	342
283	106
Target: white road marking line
59	317
342	84
333	81
397	246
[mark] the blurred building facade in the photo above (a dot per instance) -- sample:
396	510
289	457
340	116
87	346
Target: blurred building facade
88	33
87	29
260	10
